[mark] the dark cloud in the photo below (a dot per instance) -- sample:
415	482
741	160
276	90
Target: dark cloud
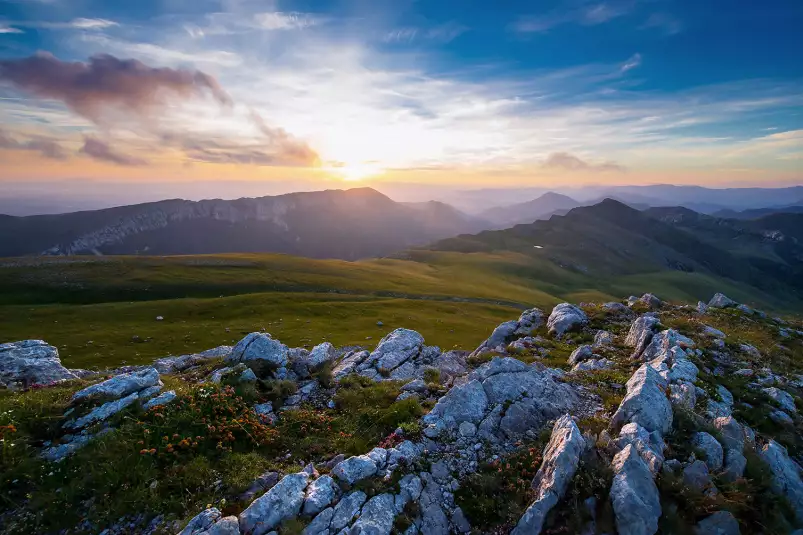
106	84
46	147
100	150
564	160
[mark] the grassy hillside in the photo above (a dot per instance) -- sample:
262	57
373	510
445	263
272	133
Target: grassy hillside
102	311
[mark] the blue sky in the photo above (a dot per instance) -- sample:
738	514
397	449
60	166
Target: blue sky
506	92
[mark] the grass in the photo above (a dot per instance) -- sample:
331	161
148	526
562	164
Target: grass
204	448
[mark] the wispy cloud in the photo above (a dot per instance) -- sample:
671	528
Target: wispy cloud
9	29
665	22
100	150
570	162
46	147
588	14
632	62
277	20
443	33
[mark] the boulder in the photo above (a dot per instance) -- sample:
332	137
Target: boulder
321	354
349	363
683	394
463	403
355	469
696	476
782	398
229	525
376	517
280	503
529	321
260	348
731	431
582	353
781	418
561	457
786	479
565	317
179	364
202	522
710	449
396	348
645	402
320	524
320	495
104	412
31	362
451	364
433	519
721	301
640	334
649	446
720	523
120	385
634	496
346	509
160	400
650	301
593	365
603	339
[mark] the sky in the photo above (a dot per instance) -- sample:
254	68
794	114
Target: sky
313	94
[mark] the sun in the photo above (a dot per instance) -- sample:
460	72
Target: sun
357	172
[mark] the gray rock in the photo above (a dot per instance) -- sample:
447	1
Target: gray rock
719	409
683	395
635	498
786	475
280	503
395	348
467	429
651	301
710	331
615	306
320	495
649	447
645	402
179	364
561	457
451	364
781	418
70	444
720	523
721	301
710	449
320	524
580	354
565	317
225	526
640	334
410	488
355	469
702	308
260	485
498	365
162	399
683	371
102	413
376	517
120	385
500	336
265	412
529	321
433	519
460	522
349	364
603	339
260	347
346	509
782	398
320	354
202	522
593	365
735	465
696	475
418	385
31	362
248	376
464	403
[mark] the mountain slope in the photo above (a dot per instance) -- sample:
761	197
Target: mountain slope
796	208
611	239
527	212
348	224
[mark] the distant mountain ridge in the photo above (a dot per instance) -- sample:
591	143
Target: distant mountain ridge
526	212
345	224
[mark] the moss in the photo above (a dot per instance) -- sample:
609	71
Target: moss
432	376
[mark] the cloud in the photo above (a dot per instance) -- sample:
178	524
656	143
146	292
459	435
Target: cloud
669	24
91	24
564	160
286	148
443	33
588	14
107	84
46	147
277	20
633	62
9	29
100	150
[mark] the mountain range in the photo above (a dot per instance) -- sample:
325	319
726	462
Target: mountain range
345	224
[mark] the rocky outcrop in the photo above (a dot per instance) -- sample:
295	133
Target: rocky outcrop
120	385
720	523
31	362
280	503
355	469
634	495
710	449
561	457
564	318
640	334
721	301
510	330
645	403
401	355
786	478
260	350
184	362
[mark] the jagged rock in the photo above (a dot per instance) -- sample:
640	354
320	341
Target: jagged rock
635	498
103	412
178	364
710	331
735	465
349	363
640	334
782	398
162	399
202	522
721	301
649	447
418	385
645	402
320	524
225	526
696	475
31	362
346	509
615	306
683	395
70	444
406	452
433	519
496	366
320	354
565	317
710	449
451	364
651	301
529	321
665	344
464	403
750	350
603	339
410	488
786	475
120	385
733	438
719	409
280	503
720	523
376	517
702	308
248	376
260	485
683	371
395	348
561	457
320	494
460	522
593	365
379	456
260	347
580	354
355	469
781	418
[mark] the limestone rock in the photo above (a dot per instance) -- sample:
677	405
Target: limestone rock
650	447
645	402
259	347
103	412
561	457
120	385
202	522
603	339
31	362
782	398
178	364
349	363
781	418
696	475
355	469
786	475
160	400
346	509
565	317
593	365
320	354
640	334
635	498
721	301
395	348
376	517
280	503
580	354
720	523
710	448
320	494
464	403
